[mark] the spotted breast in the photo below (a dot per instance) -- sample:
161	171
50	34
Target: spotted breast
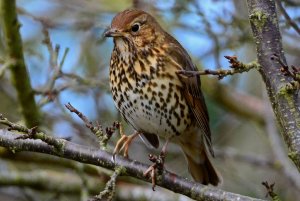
147	91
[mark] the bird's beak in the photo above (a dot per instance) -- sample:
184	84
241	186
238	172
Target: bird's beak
112	32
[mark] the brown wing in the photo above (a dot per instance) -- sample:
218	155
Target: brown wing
192	89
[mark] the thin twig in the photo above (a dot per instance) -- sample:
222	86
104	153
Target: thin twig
285	69
293	73
270	189
50	91
64	57
96	130
5	65
110	188
287	17
236	67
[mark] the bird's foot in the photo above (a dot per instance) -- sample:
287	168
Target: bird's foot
158	164
123	143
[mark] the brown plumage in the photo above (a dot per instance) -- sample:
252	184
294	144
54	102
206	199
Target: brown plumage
152	97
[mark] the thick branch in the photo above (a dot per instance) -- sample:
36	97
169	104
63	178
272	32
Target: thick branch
285	103
20	76
135	169
63	182
288	169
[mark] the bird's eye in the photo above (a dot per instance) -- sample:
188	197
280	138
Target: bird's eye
135	28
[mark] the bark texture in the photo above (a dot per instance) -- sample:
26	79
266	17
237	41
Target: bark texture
15	58
284	97
84	154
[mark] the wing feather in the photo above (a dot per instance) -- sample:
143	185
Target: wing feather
191	89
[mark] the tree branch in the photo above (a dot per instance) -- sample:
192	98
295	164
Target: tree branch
50	180
20	76
236	67
287	17
288	169
270	189
285	103
131	168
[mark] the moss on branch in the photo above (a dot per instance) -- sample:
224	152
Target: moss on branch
131	168
14	52
282	93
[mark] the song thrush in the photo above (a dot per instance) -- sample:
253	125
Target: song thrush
152	96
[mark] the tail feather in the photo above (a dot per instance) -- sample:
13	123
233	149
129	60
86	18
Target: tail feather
199	163
203	171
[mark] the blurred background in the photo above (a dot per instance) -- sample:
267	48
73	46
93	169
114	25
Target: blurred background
248	146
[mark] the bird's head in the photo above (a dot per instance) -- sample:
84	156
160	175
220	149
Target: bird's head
134	26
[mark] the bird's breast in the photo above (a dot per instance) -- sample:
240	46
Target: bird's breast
148	95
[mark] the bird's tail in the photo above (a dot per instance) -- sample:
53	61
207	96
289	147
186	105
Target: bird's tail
199	163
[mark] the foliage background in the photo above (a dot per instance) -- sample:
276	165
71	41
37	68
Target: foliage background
208	30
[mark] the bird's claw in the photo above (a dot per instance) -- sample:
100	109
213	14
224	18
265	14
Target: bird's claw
123	143
158	165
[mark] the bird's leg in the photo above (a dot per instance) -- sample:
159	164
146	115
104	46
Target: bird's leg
158	164
124	142
164	148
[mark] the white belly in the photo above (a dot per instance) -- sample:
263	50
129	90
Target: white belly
155	113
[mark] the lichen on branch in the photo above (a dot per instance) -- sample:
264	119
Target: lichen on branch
101	158
285	103
14	52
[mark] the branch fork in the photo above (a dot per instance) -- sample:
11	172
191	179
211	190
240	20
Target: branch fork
96	130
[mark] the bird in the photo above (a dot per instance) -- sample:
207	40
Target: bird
153	97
